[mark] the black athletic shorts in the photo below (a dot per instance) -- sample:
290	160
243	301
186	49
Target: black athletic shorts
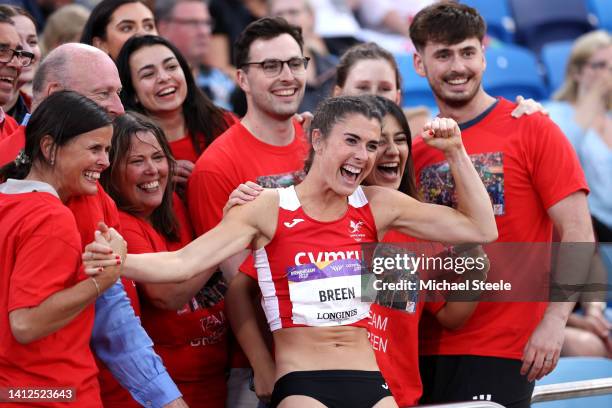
333	388
467	378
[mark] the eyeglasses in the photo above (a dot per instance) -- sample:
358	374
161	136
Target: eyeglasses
194	22
24	57
273	67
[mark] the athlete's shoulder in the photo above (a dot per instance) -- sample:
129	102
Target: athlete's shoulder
378	196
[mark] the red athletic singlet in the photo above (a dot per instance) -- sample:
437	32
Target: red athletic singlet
310	273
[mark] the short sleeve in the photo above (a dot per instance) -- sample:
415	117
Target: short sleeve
552	161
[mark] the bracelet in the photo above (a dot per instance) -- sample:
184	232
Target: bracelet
95	282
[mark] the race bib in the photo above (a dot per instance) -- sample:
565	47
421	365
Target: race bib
327	293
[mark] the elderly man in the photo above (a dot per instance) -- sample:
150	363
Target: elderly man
118	339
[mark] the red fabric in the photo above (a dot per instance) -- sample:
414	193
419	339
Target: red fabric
306	255
182	149
192	341
40	255
235	157
10	144
528	166
394	337
88	211
8	126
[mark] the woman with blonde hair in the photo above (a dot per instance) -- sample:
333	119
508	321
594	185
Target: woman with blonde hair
582	110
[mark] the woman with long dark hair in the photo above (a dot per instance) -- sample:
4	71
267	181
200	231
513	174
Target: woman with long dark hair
186	321
157	82
46	301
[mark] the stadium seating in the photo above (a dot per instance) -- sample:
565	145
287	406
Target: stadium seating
542	21
554	57
511	71
415	89
602	11
500	23
576	369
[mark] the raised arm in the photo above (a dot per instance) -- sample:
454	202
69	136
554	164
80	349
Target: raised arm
472	221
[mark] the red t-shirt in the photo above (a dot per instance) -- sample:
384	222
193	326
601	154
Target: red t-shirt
39	256
394	337
183	149
10	144
191	341
527	166
233	158
8	126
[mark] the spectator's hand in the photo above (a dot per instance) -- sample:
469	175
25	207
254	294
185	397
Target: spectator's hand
244	193
527	107
264	383
98	255
542	351
442	134
113	238
98	265
596	323
177	403
304	119
184	168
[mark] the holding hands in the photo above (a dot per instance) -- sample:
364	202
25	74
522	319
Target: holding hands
103	257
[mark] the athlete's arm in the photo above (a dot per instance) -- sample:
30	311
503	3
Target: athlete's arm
573	223
472	221
239	300
239	228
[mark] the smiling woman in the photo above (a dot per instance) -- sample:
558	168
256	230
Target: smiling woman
158	82
312	346
46	301
153	219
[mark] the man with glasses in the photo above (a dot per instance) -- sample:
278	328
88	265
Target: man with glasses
12	60
267	146
188	25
